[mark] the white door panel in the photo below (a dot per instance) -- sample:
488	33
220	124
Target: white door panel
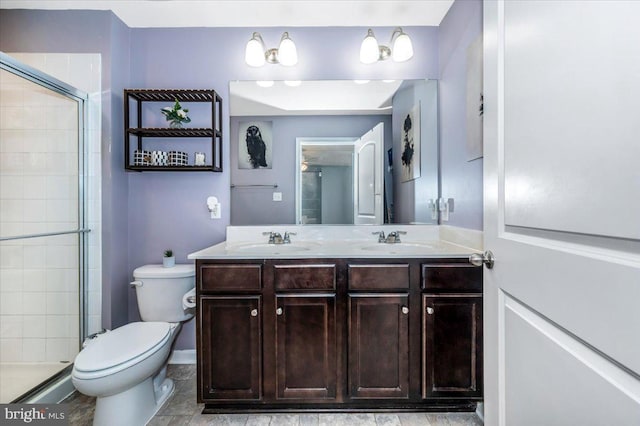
572	116
594	296
543	360
562	212
368	177
366	154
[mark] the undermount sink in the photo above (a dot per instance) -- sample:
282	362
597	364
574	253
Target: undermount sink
266	248
398	248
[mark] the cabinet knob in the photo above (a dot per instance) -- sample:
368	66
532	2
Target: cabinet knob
429	310
254	312
405	310
279	311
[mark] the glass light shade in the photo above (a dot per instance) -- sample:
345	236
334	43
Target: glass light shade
254	52
402	49
265	83
293	83
287	53
369	49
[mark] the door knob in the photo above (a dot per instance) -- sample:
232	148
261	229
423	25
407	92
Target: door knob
254	312
430	310
477	259
405	310
279	311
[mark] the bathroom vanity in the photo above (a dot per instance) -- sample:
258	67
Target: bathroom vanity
338	324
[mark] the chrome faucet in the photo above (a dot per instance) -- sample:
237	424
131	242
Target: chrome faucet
394	237
274	237
287	239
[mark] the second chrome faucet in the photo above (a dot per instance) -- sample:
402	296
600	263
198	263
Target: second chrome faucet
392	238
277	238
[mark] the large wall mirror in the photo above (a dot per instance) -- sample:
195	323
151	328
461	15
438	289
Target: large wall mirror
333	152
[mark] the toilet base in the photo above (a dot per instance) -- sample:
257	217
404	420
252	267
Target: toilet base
135	406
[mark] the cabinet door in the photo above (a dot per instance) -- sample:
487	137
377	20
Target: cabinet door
452	346
378	346
230	348
306	346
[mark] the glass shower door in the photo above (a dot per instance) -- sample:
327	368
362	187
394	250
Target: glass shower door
42	228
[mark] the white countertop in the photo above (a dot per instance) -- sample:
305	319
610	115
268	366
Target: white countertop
339	241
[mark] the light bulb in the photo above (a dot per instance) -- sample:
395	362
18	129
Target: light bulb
369	49
287	53
402	49
254	52
292	83
265	83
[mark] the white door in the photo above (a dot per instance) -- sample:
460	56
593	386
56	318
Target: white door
368	177
562	212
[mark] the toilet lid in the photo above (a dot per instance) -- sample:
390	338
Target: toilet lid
121	345
158	271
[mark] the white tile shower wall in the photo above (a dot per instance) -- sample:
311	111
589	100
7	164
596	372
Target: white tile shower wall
38	183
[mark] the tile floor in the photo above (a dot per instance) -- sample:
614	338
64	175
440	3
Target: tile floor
182	410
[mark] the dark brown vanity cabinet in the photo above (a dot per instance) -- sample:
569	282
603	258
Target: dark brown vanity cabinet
378	346
378	330
452	331
280	334
229	332
230	352
306	347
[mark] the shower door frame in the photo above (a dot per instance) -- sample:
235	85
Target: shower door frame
38	77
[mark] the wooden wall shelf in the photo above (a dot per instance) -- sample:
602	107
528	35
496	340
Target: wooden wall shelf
138	96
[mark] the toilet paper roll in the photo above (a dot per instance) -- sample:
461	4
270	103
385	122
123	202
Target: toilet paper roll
186	303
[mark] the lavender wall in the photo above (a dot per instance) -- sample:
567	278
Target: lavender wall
145	213
285	131
460	179
91	32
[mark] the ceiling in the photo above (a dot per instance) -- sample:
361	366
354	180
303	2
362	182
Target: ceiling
257	13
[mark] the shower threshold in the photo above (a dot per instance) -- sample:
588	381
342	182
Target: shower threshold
21	380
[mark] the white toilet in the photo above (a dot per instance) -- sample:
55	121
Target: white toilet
126	368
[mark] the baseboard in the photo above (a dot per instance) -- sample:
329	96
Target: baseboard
185	356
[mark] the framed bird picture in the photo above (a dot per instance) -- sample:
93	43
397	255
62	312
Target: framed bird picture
255	143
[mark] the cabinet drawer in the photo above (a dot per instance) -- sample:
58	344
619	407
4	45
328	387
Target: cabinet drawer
304	277
225	277
378	277
452	277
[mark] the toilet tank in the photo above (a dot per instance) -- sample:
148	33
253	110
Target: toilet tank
159	291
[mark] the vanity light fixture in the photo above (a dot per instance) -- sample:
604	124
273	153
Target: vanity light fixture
256	53
401	48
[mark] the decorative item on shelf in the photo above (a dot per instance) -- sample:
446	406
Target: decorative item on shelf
178	158
141	158
169	260
176	115
159	158
198	159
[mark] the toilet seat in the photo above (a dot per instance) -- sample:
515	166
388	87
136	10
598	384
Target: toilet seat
121	348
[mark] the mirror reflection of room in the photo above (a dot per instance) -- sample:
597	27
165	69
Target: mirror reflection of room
317	173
